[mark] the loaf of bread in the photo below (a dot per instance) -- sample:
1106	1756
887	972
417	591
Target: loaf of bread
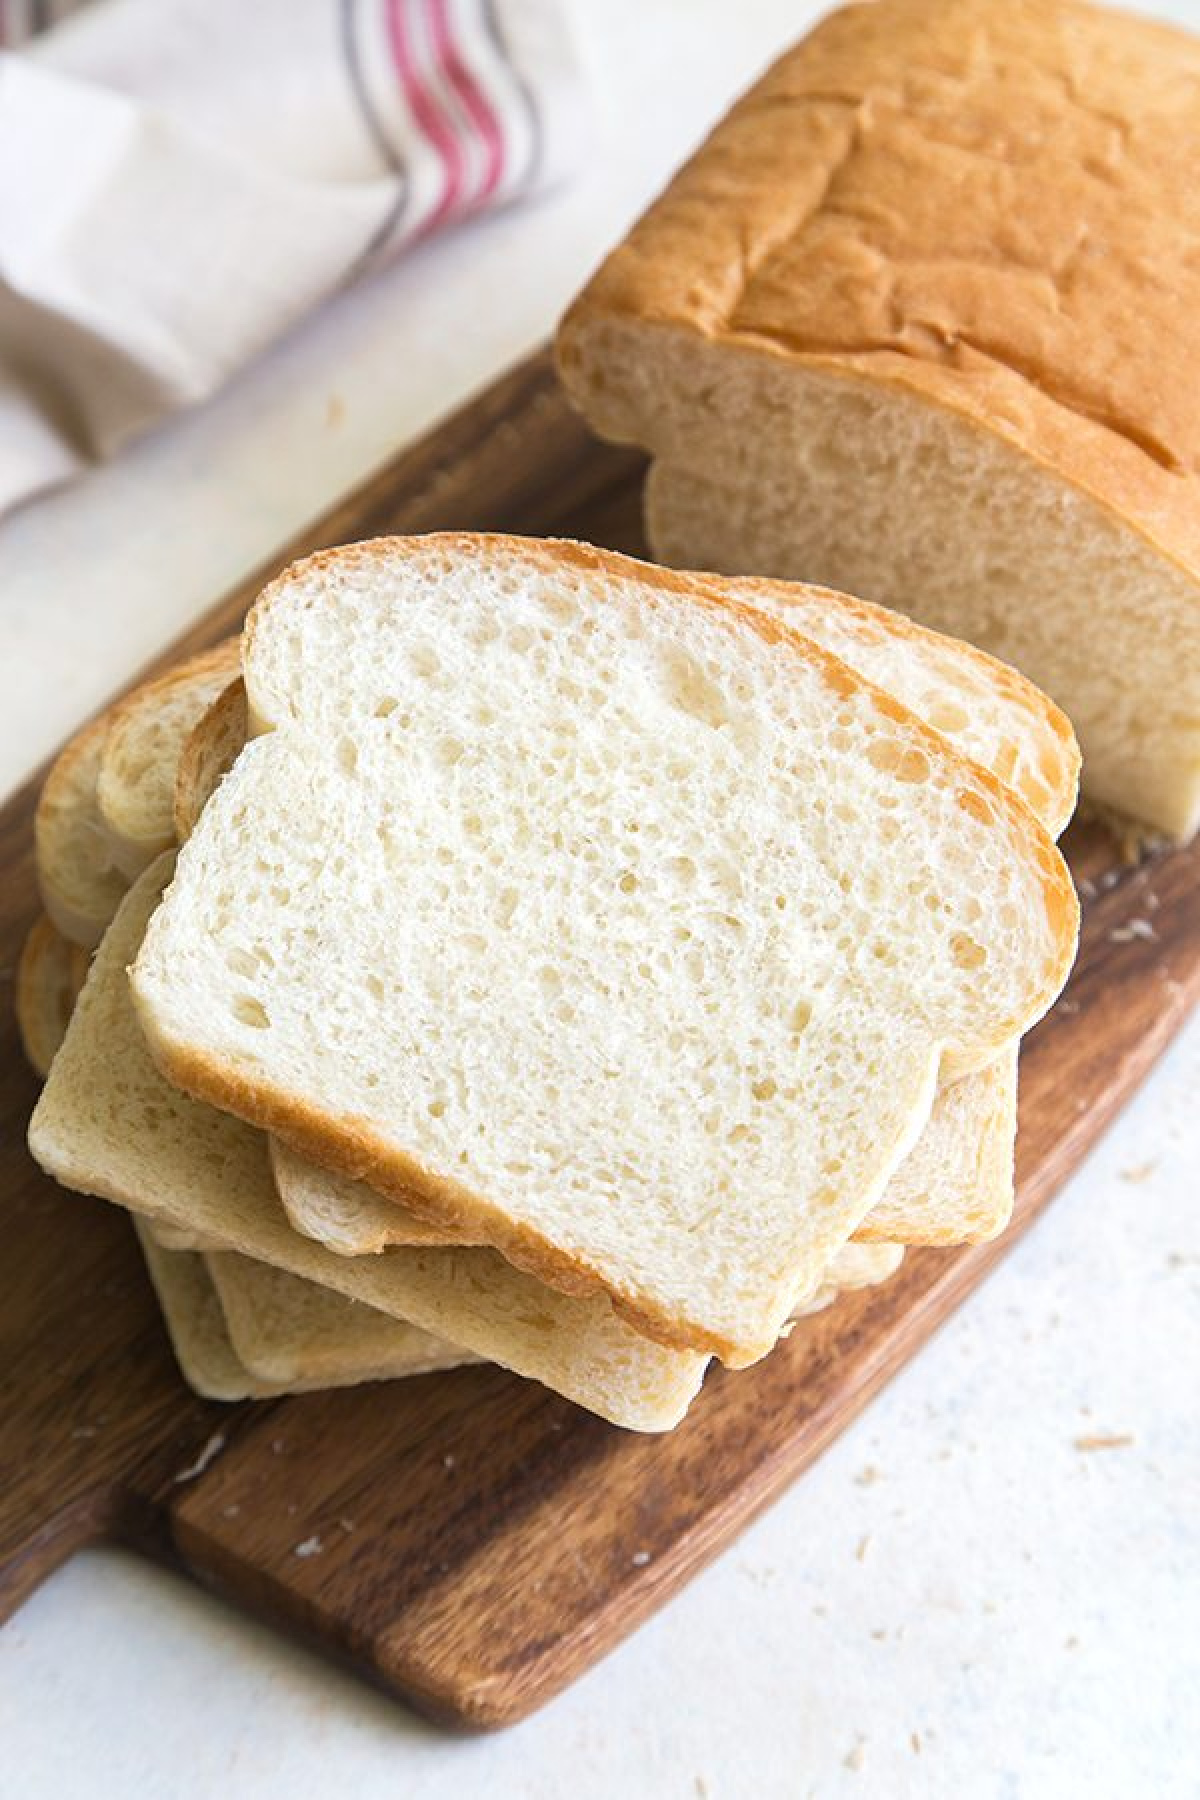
588	906
920	320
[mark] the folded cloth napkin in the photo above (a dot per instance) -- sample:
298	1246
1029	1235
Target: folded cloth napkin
180	180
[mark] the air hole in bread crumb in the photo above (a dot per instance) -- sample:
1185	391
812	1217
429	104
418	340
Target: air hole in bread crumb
386	707
801	1015
249	1011
904	761
967	952
688	687
765	1089
947	715
436	1109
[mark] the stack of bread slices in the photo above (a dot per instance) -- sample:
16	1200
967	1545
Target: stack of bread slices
510	951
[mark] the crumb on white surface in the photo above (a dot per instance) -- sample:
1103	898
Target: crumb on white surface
310	1546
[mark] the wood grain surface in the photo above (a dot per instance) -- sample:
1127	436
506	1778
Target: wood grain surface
478	1541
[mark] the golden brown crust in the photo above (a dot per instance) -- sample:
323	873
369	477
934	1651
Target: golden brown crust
209	752
349	1145
224	658
1000	675
50	973
80	892
987	203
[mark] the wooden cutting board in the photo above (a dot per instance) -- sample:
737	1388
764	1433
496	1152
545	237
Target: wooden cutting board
481	1541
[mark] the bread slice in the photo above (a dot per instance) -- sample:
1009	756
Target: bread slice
872	338
301	1336
956	1186
209	752
196	1325
347	1216
135	783
973	1188
854	1267
597	910
80	884
50	973
109	1124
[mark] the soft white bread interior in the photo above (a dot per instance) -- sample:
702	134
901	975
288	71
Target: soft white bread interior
50	973
80	884
108	1123
295	1333
146	735
874	336
956	1185
583	904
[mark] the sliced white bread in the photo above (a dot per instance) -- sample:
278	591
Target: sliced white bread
209	752
302	1336
854	1267
147	731
873	337
80	883
196	1325
589	906
108	1123
956	1185
50	974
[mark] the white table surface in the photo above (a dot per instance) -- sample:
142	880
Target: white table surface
959	1599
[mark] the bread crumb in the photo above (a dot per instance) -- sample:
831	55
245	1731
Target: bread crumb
1100	1440
335	411
209	1454
914	1738
1136	928
311	1546
1072	1643
864	1544
347	1525
854	1759
1138	1172
867	1476
640	1558
448	1461
230	1512
84	1431
276	1446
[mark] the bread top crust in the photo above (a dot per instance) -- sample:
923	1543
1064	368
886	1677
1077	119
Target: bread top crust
988	203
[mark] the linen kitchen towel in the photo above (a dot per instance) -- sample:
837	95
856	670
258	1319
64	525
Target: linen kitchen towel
180	180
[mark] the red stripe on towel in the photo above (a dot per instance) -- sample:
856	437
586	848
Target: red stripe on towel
474	100
428	115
